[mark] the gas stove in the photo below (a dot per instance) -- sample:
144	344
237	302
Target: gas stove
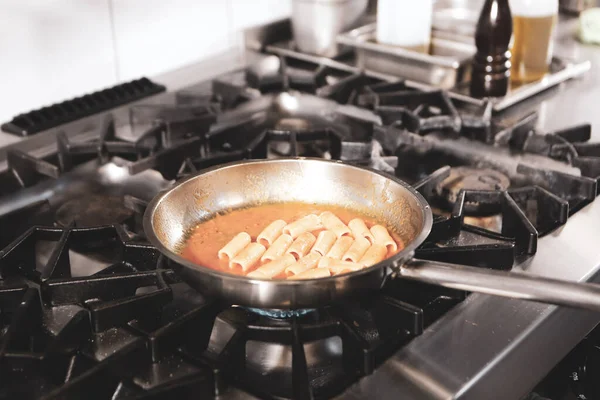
89	309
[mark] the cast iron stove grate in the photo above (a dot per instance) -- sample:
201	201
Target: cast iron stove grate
133	329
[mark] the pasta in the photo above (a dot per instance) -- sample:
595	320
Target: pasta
357	250
382	236
340	247
234	246
273	269
359	229
338	269
332	223
376	253
309	223
314	273
271	232
301	246
324	242
248	257
290	241
278	248
307	262
326	262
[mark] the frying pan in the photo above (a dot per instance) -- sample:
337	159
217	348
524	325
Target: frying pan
173	213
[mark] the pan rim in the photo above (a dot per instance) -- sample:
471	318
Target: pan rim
400	257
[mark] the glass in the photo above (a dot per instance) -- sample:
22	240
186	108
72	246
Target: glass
405	23
534	22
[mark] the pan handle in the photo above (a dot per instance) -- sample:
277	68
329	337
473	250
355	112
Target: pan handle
505	284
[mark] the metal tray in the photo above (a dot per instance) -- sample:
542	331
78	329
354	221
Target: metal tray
560	71
276	38
447	66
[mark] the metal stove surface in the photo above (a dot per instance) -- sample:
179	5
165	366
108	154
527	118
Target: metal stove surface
468	353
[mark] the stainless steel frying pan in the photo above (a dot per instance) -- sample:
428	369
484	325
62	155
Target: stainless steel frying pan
172	214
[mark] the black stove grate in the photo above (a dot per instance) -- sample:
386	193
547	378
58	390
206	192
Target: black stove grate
133	328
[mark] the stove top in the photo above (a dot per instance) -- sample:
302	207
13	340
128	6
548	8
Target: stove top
88	308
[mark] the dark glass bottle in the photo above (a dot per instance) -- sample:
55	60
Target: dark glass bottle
491	64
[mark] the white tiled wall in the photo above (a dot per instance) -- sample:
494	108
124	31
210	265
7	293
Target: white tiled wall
51	50
246	13
181	32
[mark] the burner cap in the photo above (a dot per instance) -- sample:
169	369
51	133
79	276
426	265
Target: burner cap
93	210
470	178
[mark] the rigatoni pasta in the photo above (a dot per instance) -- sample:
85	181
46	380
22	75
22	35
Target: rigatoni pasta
324	242
359	229
307	262
273	268
338	269
234	246
332	223
375	254
358	248
314	273
271	232
382	236
340	247
326	262
248	257
309	223
302	245
278	248
283	241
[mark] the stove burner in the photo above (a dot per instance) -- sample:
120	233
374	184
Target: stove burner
280	314
93	210
469	178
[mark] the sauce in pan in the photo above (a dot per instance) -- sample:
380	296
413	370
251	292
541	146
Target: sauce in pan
209	238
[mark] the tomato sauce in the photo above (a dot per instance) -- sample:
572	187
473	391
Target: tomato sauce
215	233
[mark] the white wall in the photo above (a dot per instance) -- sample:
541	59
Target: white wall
52	50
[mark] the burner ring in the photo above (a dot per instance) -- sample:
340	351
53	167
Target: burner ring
92	210
280	314
470	178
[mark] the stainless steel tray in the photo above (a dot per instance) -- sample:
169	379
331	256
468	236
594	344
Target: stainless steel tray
275	38
560	71
447	66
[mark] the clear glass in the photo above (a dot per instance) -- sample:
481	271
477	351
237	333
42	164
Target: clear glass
405	23
534	23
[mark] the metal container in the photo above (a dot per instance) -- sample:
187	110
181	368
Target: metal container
316	23
447	65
